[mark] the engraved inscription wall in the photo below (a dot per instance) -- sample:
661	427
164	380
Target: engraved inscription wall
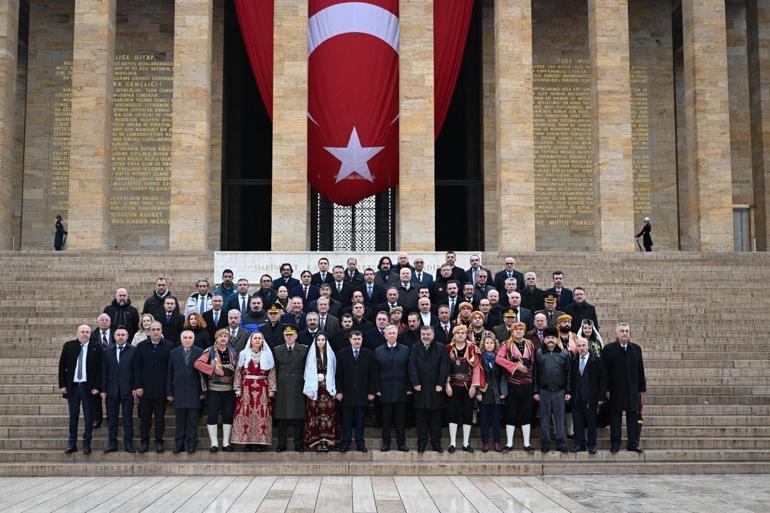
141	140
563	154
58	194
640	138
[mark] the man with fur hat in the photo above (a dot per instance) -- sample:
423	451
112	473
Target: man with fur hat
552	388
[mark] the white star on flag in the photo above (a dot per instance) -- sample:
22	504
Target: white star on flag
354	158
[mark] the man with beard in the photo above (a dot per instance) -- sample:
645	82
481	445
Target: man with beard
286	278
172	320
307	336
477	330
428	373
240	301
562	293
567	343
550	311
411	336
532	297
342	339
551	388
626	385
226	289
495	313
438	292
154	304
256	316
580	309
122	313
266	290
200	300
468	295
458	273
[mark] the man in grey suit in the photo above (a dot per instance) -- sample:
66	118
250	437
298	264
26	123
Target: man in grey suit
183	389
327	323
238	335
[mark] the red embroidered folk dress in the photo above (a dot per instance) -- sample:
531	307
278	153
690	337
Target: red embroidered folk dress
253	420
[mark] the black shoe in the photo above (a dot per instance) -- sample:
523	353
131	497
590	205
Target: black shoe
637	450
97	424
403	448
345	448
507	448
71	449
578	449
592	450
144	448
214	448
228	448
362	449
191	449
299	448
570	437
562	449
130	449
280	448
614	450
437	448
159	447
545	449
87	449
529	448
385	448
178	449
451	449
110	449
467	448
420	448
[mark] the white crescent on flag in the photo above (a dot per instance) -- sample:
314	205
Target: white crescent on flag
350	17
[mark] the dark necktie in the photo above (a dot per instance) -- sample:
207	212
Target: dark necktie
322	323
120	350
369	291
419	277
582	364
203	304
355	354
216	318
540	336
339	287
305	291
186	356
168	317
243	304
104	339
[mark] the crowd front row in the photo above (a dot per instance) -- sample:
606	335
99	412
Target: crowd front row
324	395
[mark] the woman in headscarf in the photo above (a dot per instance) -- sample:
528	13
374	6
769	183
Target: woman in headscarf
321	424
589	332
254	387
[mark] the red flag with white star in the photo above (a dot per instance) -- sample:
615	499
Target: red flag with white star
352	98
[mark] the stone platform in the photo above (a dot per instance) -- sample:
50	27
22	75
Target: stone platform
696	316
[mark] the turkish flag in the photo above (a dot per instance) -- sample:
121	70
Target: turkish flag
352	98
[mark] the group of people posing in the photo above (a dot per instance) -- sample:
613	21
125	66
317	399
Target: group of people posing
319	353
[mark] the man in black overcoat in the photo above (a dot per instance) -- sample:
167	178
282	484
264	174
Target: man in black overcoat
183	390
393	387
80	378
626	385
150	370
356	380
588	388
428	372
118	390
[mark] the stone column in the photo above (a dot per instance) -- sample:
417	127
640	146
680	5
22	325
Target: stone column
514	127
758	17
611	117
191	126
9	24
93	58
416	191
707	121
291	193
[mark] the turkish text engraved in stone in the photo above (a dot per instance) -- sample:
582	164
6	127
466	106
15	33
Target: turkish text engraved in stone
640	137
141	140
60	158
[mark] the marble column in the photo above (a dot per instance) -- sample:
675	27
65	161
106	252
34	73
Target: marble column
9	24
758	17
93	58
608	38
416	222
707	125
291	193
191	126
514	127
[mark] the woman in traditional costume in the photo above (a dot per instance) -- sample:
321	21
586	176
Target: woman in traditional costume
589	332
516	356
254	387
322	431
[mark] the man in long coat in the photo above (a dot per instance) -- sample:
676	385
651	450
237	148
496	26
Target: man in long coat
356	380
393	386
626	385
428	372
290	379
183	389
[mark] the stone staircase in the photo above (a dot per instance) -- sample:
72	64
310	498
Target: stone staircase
696	316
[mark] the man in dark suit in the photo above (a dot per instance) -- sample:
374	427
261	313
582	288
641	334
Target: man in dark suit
469	296
266	290
237	336
103	335
342	290
424	310
154	304
580	309
327	323
118	389
323	275
216	318
420	278
458	273
286	278
443	328
626	385
438	292
171	320
428	372
410	337
375	337
150	370
296	317
588	389
356	298
393	390
407	292
352	274
306	290
307	336
471	275
531	296
562	293
183	390
373	294
356	380
335	307
522	314
80	377
508	272
391	301
240	301
482	287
